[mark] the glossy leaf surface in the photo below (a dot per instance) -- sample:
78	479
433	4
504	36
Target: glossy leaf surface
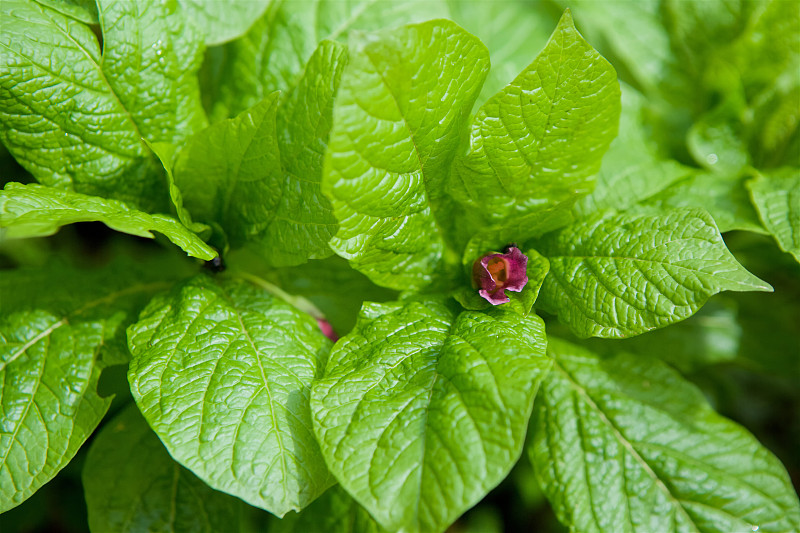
617	275
626	444
427	408
222	372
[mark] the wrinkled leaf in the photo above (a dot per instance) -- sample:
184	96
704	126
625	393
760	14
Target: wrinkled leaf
392	145
222	372
58	327
618	275
422	411
273	54
74	118
132	484
776	195
258	174
37	211
536	144
626	444
223	21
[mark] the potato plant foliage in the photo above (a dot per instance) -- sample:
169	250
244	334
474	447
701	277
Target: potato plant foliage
416	265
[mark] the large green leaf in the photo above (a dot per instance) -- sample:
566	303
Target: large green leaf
74	118
392	145
617	275
223	21
222	372
37	211
776	195
258	174
273	54
132	484
422	411
59	327
537	144
48	396
333	511
626	444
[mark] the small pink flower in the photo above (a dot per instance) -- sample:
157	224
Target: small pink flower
494	273
327	329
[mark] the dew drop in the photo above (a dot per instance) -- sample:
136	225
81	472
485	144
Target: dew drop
159	52
712	159
754	528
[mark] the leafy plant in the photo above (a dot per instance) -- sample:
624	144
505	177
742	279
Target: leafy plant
363	183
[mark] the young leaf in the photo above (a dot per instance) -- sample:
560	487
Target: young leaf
59	327
273	54
537	143
223	21
422	411
333	511
258	174
776	195
74	119
617	275
37	211
626	444
132	484
392	145
222	372
165	152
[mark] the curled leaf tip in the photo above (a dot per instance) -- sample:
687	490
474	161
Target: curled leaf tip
492	274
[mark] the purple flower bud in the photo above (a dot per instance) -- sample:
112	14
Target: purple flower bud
327	329
494	273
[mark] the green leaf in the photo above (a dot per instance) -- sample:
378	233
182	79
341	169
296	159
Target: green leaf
710	336
626	444
48	395
716	139
422	411
222	372
81	10
132	484
258	174
617	275
333	511
723	195
273	54
392	145
37	211
632	169
74	118
537	143
634	35
165	152
59	327
514	32
776	195
223	21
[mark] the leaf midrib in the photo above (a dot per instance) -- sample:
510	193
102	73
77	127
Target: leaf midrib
625	444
